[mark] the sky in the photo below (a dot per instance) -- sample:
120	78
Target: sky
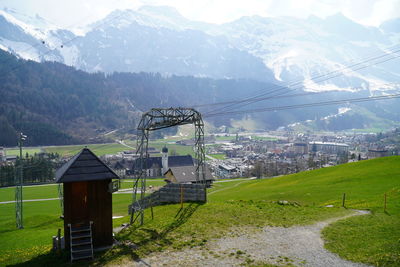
77	13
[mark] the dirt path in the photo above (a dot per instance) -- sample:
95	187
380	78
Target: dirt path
298	245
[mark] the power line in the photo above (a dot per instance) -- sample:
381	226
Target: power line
295	83
316	104
239	101
323	75
286	90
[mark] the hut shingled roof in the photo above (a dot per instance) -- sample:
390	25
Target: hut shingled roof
84	166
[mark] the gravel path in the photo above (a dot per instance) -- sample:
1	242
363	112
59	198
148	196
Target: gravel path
298	245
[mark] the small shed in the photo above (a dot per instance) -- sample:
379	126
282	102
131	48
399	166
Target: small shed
87	183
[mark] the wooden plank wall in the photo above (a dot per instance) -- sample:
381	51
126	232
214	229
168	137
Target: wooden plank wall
172	193
98	210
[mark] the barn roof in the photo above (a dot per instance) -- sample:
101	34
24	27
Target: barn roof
187	174
179	161
84	166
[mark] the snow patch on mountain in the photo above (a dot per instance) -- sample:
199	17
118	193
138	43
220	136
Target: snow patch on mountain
377	85
311	86
29	29
23	50
36	21
144	16
70	55
341	111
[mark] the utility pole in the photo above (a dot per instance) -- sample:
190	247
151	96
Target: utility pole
18	184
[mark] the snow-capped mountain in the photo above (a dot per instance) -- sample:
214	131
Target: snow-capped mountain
135	41
31	38
125	44
297	52
152	16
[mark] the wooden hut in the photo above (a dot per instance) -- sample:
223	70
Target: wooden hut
88	188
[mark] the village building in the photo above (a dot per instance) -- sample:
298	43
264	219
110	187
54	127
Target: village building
226	171
377	153
300	148
157	166
328	147
186	175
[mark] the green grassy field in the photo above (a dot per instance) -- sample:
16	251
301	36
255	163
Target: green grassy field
102	149
30	192
372	239
253	203
225	138
98	149
263	138
29	150
217	156
179	149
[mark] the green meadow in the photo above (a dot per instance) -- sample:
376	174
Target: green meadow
98	149
233	204
113	148
29	150
217	156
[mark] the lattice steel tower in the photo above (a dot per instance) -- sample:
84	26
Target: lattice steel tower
19	180
156	119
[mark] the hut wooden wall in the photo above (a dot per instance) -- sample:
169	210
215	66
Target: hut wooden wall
98	208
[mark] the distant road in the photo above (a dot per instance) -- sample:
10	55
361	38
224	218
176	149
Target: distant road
30	200
123	143
110	132
236	179
209	157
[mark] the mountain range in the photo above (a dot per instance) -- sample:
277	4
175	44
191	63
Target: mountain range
159	39
189	63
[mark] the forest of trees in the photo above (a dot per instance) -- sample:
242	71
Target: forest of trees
36	169
55	104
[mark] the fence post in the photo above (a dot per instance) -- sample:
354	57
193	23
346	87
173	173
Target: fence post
59	241
344	200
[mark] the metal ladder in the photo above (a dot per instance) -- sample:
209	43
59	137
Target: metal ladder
81	243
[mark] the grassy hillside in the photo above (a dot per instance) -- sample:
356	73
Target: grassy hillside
245	203
233	205
363	182
372	239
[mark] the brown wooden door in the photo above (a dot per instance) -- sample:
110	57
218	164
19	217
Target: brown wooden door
79	202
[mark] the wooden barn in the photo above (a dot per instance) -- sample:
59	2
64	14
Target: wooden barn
88	188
